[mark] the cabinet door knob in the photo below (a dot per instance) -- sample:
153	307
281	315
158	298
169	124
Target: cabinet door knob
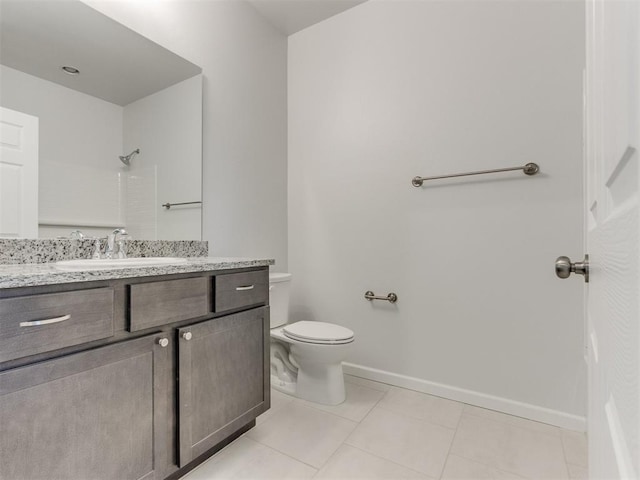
187	336
163	342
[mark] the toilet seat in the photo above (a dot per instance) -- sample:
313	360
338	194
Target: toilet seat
320	333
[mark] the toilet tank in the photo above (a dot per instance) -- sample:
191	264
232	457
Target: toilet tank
279	286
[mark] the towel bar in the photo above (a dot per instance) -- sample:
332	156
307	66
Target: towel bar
391	298
528	169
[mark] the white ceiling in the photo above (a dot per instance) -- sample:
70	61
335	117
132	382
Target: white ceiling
291	16
116	64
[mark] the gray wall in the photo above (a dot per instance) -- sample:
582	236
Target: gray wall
390	90
244	62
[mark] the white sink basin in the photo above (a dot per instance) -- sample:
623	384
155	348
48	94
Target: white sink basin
84	264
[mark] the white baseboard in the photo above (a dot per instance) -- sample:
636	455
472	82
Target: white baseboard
504	405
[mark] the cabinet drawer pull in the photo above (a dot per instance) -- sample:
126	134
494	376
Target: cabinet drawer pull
35	323
163	342
245	287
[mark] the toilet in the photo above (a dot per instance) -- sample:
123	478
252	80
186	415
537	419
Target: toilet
306	357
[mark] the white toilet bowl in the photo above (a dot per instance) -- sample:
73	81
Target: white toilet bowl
306	357
318	358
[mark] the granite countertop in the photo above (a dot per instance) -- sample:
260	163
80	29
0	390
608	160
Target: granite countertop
33	274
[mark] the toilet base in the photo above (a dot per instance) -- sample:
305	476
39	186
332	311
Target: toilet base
321	384
318	383
336	396
308	371
283	386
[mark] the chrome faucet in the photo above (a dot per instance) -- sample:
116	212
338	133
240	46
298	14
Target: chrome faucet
115	244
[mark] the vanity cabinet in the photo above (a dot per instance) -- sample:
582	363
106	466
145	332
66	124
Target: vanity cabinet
94	414
145	379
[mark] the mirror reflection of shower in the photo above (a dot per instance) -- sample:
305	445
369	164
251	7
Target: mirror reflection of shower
126	159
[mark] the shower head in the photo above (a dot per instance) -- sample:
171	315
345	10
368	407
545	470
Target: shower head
126	159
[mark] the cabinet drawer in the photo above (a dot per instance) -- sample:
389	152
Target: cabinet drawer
237	290
159	303
41	323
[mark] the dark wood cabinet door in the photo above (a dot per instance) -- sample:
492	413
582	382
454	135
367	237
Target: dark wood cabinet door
99	414
223	368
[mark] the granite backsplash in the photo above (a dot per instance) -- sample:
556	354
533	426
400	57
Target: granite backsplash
15	251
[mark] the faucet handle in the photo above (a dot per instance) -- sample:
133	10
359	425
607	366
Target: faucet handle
97	255
121	249
108	251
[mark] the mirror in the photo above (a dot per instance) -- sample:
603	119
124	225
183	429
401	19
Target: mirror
114	142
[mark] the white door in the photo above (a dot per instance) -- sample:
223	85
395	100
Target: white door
612	221
18	174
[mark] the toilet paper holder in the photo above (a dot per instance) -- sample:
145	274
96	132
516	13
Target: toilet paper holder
391	297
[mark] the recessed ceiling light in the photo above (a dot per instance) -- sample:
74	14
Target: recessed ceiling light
70	70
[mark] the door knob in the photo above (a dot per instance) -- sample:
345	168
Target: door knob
564	267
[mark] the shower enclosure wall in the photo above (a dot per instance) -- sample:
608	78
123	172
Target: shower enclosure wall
82	182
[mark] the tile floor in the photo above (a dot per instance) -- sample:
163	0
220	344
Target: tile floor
385	432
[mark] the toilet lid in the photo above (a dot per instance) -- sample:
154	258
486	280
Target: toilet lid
318	332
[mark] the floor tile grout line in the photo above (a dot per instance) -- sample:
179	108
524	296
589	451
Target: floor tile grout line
455	432
284	453
299	403
302	403
564	454
432	422
412	418
530	430
564	450
514	416
462	404
359	423
330	457
406	415
219	454
512	426
488	465
390	461
306	403
266	420
383	390
365	417
343	442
